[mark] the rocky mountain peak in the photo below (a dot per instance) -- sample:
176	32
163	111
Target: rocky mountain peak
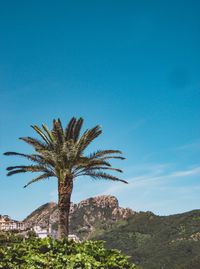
85	217
100	201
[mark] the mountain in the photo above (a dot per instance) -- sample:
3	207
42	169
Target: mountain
88	218
153	242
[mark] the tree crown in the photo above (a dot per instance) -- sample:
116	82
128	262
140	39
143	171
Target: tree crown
60	153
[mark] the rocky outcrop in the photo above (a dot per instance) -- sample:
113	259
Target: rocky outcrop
86	217
42	216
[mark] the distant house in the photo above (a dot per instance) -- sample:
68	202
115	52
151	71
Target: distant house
40	232
7	224
74	238
43	232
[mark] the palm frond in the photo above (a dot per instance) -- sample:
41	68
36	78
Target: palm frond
87	138
95	169
34	157
41	177
37	144
58	131
70	129
26	168
31	168
41	133
102	153
77	129
105	155
86	162
113	157
100	175
16	172
48	132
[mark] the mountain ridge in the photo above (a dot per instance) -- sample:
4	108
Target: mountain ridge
152	241
84	217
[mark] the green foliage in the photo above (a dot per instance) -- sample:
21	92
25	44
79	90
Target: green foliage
31	234
53	254
158	242
7	238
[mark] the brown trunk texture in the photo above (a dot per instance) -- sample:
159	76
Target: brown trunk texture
64	200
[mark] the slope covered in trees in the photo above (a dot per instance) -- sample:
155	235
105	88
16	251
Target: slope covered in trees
157	242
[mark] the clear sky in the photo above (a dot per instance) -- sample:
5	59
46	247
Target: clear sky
131	66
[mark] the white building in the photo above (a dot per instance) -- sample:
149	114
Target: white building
74	238
6	224
42	232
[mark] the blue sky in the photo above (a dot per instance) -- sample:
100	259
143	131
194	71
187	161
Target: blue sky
130	66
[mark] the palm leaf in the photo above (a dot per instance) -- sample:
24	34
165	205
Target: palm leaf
100	175
48	132
34	157
86	162
58	132
26	168
102	153
87	138
77	129
95	169
37	144
113	157
16	172
41	133
41	177
70	129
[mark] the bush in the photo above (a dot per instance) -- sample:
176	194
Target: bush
7	238
52	254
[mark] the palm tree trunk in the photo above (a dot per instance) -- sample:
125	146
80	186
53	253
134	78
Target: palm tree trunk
64	192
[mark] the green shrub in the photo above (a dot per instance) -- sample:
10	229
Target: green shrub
53	254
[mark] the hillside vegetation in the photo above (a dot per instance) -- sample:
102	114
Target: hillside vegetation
170	242
153	242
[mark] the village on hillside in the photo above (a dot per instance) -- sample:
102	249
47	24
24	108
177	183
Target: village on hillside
8	224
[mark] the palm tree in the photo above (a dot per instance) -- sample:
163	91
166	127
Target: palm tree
60	154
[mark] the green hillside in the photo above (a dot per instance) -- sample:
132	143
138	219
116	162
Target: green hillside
154	242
